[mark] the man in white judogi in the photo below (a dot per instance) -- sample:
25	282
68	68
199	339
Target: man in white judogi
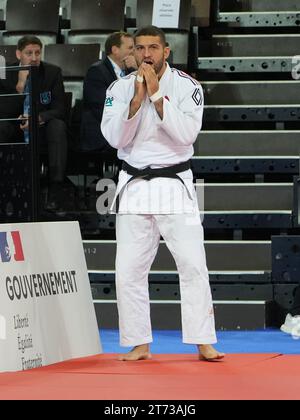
153	118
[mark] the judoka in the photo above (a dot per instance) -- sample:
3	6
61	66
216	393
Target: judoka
153	118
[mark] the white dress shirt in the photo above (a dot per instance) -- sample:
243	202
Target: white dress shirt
117	69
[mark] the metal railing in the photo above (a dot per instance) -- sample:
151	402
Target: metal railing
29	153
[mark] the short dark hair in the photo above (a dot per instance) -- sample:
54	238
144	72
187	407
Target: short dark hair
28	40
151	31
115	40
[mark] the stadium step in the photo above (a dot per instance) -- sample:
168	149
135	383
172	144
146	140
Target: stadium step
252	113
239	274
230	206
278	64
248	152
216	220
257	5
259	13
252	101
245	165
279	144
250	53
252	93
222	256
251	46
166	315
260	19
275	101
245	197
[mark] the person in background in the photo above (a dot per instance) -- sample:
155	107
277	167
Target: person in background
51	111
118	63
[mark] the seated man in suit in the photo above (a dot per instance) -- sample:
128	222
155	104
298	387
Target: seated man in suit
51	109
119	62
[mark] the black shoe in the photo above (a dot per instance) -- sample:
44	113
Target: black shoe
54	197
51	206
61	198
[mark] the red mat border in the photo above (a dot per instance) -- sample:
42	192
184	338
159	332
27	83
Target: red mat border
166	377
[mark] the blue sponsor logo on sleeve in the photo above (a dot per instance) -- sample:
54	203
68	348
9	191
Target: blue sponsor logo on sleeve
109	101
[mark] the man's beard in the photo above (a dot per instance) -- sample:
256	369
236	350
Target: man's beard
158	66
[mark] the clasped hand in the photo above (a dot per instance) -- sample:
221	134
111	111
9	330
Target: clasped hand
150	86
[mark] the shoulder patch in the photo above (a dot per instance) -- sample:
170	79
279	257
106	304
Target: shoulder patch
109	101
197	97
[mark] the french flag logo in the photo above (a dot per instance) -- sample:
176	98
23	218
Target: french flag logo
11	248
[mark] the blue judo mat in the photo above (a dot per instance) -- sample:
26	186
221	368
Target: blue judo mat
230	342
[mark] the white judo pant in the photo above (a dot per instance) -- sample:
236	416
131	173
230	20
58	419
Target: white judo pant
138	238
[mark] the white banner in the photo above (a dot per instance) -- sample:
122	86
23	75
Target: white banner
166	13
46	309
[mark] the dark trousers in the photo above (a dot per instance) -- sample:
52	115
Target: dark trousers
53	135
52	139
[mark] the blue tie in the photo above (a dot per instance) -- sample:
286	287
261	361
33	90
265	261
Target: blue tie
26	108
123	73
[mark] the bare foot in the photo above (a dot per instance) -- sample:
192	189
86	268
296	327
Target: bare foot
138	353
209	354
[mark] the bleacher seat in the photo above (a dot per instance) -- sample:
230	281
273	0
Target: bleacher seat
131	6
65	9
3	9
95	21
9	53
201	12
178	38
39	17
74	61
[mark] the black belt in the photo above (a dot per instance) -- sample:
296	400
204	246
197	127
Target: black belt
148	173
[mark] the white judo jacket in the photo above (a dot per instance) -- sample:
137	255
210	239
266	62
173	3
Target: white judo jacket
147	141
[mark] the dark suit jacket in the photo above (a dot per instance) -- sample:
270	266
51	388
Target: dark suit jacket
98	79
51	100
